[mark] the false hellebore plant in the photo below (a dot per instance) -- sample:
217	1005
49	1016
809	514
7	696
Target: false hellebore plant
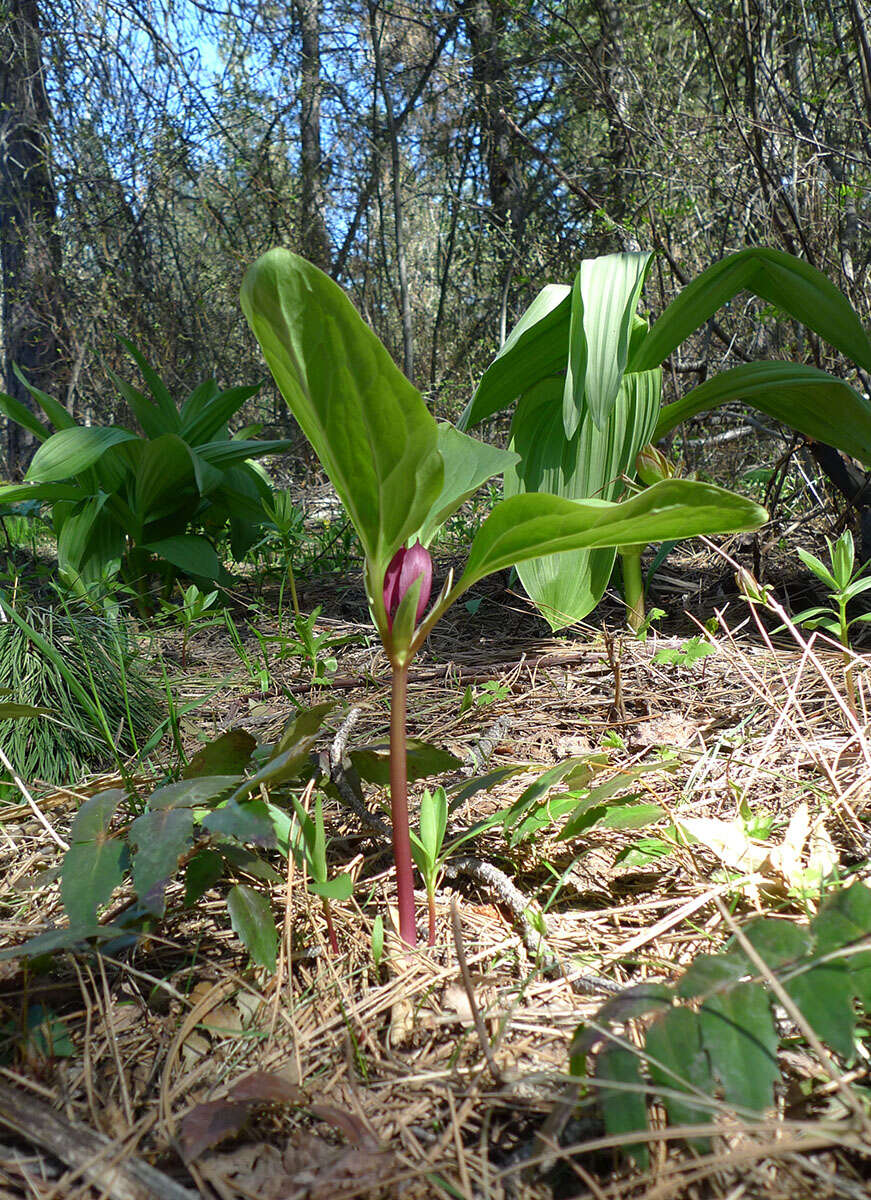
400	475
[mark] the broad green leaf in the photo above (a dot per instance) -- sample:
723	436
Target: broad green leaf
227	754
844	921
15	411
146	412
566	587
165	471
193	793
15	493
244	822
366	422
707	972
536	348
201	424
468	464
52	408
603	310
254	924
156	386
162	836
301	730
624	1109
340	887
202	872
72	451
196	402
92	866
810	401
10	711
739	1035
790	284
678	1062
89	540
424	759
526	526
191	553
233	453
825	996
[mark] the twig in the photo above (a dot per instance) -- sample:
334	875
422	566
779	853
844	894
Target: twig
465	974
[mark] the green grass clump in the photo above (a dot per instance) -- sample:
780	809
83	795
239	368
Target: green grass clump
84	668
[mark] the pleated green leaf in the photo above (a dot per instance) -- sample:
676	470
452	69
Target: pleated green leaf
368	425
71	451
811	401
164	471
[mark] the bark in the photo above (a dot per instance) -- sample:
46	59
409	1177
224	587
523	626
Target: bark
29	243
314	235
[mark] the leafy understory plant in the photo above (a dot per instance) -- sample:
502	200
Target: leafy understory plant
844	582
311	846
400	476
194	615
585	372
713	1041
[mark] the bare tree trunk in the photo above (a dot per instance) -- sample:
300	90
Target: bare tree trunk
29	243
313	227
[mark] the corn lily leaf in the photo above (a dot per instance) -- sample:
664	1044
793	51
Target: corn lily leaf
536	348
790	284
71	451
525	526
15	493
162	399
165	469
366	422
21	415
52	408
190	552
811	401
203	421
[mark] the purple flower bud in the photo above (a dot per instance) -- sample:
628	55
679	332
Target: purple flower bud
406	566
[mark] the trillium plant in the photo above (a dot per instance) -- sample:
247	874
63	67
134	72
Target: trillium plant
400	475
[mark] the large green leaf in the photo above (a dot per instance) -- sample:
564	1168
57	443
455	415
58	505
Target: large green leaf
679	1064
806	399
366	422
523	527
146	412
739	1035
200	423
787	282
191	553
14	493
604	299
566	587
468	464
164	472
230	453
162	398
161	837
536	348
92	866
15	411
89	540
624	1109
72	451
52	408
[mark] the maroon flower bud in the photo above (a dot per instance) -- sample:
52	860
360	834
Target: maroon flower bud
406	566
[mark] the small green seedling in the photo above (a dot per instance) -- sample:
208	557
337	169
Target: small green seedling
427	847
192	615
686	654
377	940
844	582
314	850
288	523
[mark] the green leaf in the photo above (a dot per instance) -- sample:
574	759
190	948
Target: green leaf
165	471
787	282
162	837
15	411
468	464
52	408
162	398
528	526
624	1109
536	348
92	866
244	822
340	887
739	1035
300	732
424	759
66	938
366	422
678	1062
844	920
227	754
202	873
536	791
566	588
817	567
816	404
201	422
146	412
252	920
10	711
234	453
193	793
15	493
191	553
604	301
433	819
825	996
72	451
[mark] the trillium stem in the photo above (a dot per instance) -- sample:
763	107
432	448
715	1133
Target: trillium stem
399	805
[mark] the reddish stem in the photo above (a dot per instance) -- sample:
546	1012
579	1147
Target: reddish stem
399	806
430	900
331	932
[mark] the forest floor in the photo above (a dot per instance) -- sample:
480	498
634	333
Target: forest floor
186	1071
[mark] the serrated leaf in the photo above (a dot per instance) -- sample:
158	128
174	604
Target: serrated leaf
738	1033
254	924
162	837
227	754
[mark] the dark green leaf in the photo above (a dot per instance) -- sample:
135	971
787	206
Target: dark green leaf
228	754
162	837
191	793
13	712
202	873
624	1109
678	1062
739	1035
190	552
245	822
844	920
424	759
92	866
60	939
253	922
